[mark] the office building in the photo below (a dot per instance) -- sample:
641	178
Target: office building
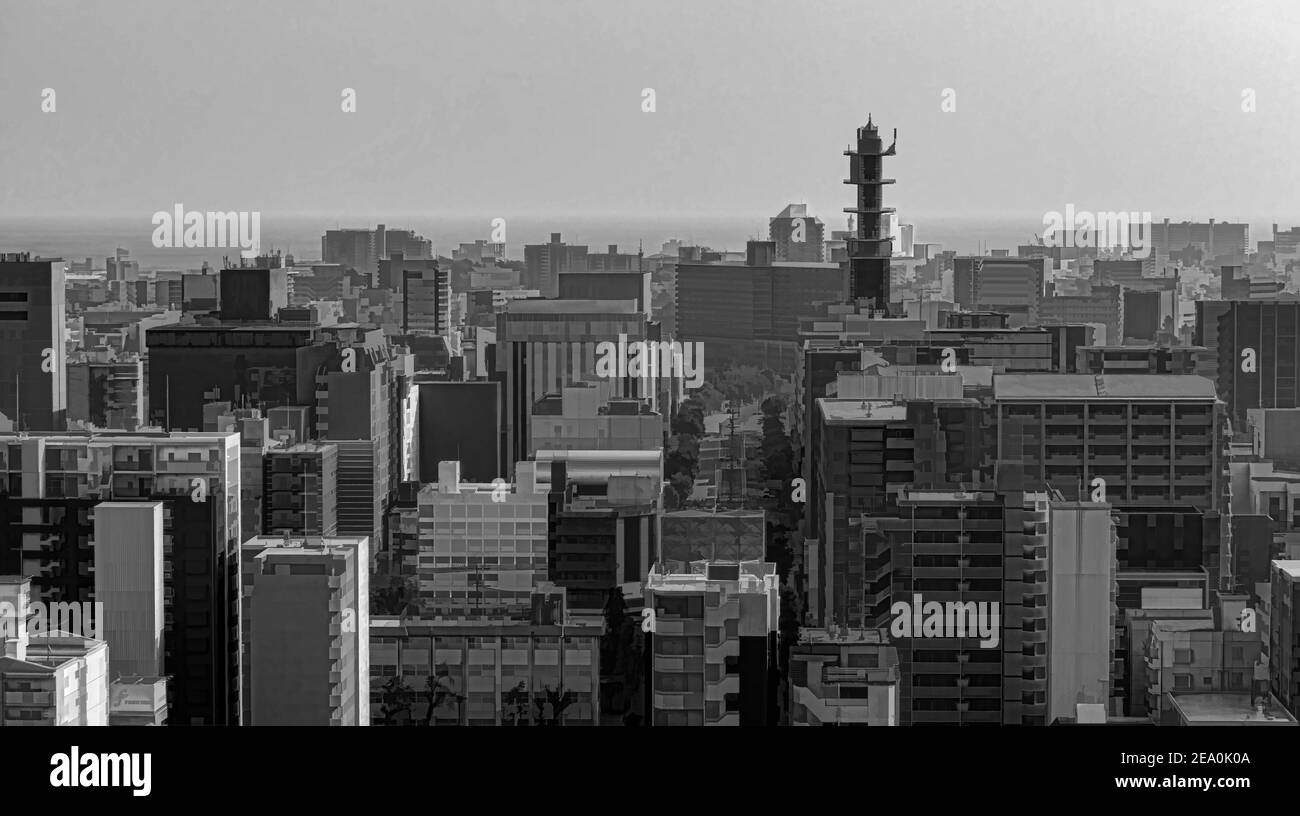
426	672
306	630
461	421
629	284
545	345
253	294
1258	344
713	644
1212	239
47	528
300	490
577	419
363	249
1104	305
130	580
712	535
749	312
33	389
106	393
1284	633
482	546
603	515
983	556
425	290
1013	286
797	235
544	263
1082	612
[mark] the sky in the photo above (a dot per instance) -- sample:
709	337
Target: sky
502	108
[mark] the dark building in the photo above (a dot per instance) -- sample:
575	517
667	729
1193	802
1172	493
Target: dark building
1259	347
461	421
751	311
258	365
602	522
33	364
1284	634
46	530
253	294
299	490
866	451
985	550
624	285
870	247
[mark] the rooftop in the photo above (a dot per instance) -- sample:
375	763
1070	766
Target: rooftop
1227	707
1102	387
574	306
1291	568
857	410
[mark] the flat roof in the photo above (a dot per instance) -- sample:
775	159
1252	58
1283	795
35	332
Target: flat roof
1102	387
837	410
1227	707
573	306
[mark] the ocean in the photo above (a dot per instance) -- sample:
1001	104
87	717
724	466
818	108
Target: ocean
75	239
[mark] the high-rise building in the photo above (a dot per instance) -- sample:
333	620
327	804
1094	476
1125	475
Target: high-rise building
1213	239
604	509
300	490
749	312
1258	346
1010	285
130	580
966	575
363	249
425	290
797	235
54	482
712	645
106	393
33	384
630	284
461	421
545	345
871	246
544	263
306	630
1284	633
482	546
1081	618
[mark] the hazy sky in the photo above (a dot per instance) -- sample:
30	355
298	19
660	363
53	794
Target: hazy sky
534	107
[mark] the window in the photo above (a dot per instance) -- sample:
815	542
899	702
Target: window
1182	682
1183	657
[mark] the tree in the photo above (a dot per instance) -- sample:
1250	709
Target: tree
437	688
395	701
